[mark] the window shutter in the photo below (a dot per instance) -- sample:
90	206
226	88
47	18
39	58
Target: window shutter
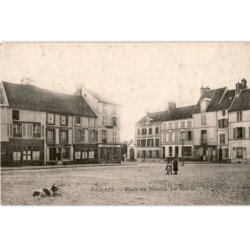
42	131
30	130
10	130
234	133
24	130
243	132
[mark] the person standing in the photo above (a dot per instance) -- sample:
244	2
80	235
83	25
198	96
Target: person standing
175	165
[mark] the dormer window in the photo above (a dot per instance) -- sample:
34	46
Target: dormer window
16	115
204	104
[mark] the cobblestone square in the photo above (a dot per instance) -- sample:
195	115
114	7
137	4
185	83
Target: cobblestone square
137	184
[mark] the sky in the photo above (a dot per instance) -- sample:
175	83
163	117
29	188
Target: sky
140	76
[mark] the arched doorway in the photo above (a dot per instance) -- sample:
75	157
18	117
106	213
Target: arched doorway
132	154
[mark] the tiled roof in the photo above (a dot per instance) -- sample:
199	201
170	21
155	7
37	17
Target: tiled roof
179	113
29	97
215	95
155	117
242	102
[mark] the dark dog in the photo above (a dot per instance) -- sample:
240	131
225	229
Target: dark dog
46	192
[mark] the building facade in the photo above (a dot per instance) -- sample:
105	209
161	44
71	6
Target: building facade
37	127
177	133
108	125
148	136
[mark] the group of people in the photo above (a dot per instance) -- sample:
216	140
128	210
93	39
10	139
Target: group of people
172	166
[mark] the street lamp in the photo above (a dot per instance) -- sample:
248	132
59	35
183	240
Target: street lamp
182	141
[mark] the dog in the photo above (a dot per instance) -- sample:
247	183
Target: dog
46	192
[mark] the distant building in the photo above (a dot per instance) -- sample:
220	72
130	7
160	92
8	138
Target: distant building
108	125
177	128
148	136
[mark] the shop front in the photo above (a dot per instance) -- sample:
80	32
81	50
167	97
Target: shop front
109	153
85	154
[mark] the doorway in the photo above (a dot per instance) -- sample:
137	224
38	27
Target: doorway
220	154
132	154
176	151
59	155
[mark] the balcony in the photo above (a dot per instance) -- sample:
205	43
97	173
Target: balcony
203	141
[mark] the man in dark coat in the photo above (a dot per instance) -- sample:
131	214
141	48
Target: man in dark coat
175	165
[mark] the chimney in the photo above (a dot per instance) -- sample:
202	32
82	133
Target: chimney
28	81
243	84
79	89
204	89
171	105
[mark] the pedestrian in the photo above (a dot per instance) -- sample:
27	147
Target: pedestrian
175	165
169	168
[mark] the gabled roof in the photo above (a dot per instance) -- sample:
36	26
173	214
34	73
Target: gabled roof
242	102
29	97
215	95
154	117
179	113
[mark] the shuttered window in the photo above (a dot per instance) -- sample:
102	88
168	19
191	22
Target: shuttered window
10	130
24	130
30	130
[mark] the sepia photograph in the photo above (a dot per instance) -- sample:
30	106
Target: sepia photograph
116	123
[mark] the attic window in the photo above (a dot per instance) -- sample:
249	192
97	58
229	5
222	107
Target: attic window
16	115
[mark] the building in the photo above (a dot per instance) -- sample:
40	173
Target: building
37	126
177	132
239	124
148	136
108	125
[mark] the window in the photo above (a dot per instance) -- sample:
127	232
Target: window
138	131
85	155
157	130
104	120
36	130
189	136
187	151
223	123
170	137
223	112
164	137
114	137
77	135
183	124
63	136
16	115
17	130
27	155
36	155
203	119
104	135
222	138
92	122
138	143
91	154
114	121
143	143
92	135
176	125
150	154
157	154
78	155
65	152
175	136
64	120
50	119
239	152
170	151
16	156
189	124
225	153
50	135
78	121
150	131
144	131
239	116
239	133
157	142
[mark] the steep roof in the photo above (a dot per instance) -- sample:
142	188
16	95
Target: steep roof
155	117
242	102
215	95
29	97
179	113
